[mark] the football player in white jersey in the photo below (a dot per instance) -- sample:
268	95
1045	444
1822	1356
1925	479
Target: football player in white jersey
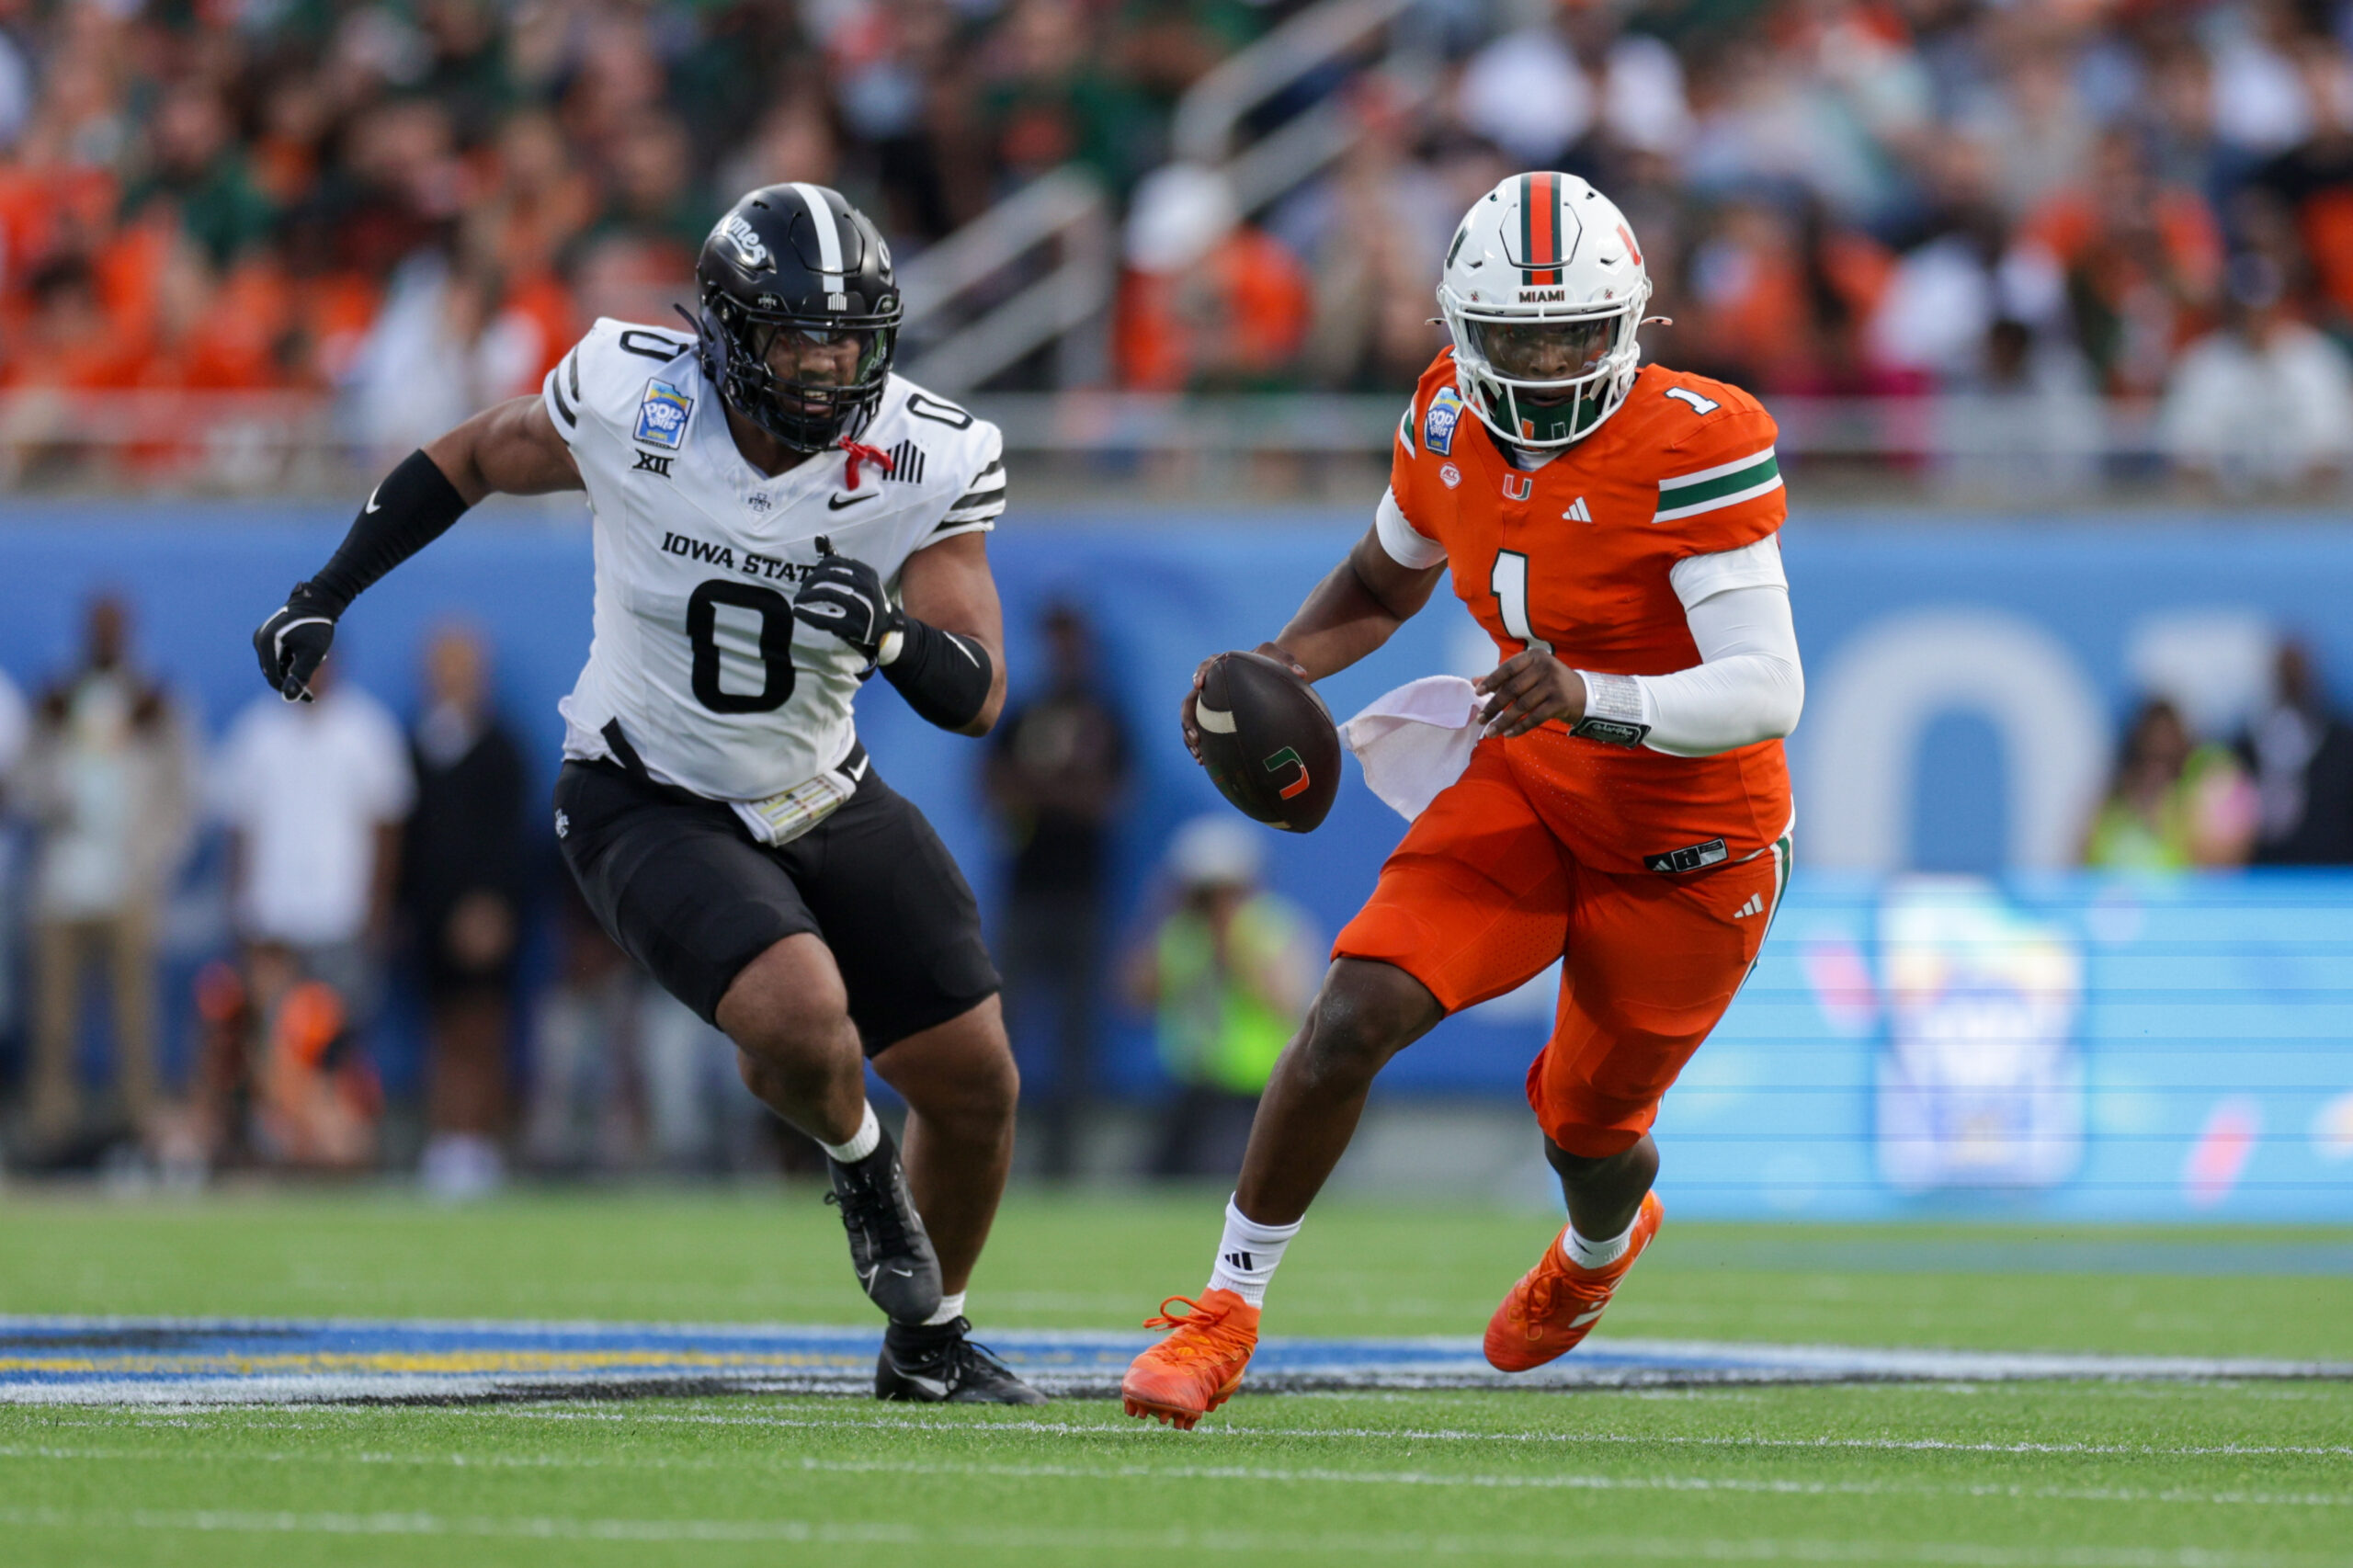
778	517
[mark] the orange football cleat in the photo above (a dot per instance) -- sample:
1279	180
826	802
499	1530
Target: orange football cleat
1199	1366
1556	1303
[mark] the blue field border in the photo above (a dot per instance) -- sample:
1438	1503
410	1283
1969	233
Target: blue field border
112	1360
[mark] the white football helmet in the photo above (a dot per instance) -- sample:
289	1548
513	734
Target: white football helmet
1543	289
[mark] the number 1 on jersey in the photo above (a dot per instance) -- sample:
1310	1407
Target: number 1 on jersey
1508	583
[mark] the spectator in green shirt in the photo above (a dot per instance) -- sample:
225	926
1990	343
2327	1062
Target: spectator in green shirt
1230	971
195	165
2173	805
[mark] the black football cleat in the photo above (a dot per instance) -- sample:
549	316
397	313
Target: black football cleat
940	1365
888	1245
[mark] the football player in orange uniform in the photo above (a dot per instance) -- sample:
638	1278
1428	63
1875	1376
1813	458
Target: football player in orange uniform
1626	808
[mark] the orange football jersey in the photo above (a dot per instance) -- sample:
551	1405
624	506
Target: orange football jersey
1578	555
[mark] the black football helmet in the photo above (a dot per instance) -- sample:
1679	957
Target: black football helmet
797	258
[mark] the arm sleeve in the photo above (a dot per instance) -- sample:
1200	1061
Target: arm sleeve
1406	545
1748	686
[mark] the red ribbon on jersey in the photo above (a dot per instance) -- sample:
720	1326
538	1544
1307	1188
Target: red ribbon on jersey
860	452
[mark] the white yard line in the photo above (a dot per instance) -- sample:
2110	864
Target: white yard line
1009	1471
1421	1434
1231	1543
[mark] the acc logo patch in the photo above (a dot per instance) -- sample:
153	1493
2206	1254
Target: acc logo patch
662	415
1451	475
1438	426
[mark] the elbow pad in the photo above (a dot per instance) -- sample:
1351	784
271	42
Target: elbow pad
413	506
943	677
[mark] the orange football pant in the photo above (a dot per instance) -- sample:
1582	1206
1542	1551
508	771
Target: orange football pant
1481	896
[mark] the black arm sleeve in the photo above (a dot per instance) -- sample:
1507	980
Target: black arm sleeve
943	677
414	506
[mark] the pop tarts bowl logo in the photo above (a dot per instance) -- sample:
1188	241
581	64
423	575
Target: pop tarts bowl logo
662	415
1438	426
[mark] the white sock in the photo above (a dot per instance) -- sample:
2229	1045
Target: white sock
1248	1253
1595	1255
950	1309
861	1143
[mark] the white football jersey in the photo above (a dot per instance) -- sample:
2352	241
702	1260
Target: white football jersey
696	656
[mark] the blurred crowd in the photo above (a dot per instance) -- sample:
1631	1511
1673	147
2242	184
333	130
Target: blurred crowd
209	945
329	939
2072	205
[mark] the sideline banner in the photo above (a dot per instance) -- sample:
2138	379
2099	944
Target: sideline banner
2063	1047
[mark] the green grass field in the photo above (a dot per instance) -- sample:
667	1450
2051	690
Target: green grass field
1979	1474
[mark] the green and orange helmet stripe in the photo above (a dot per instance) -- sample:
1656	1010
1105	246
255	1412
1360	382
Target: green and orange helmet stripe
1541	247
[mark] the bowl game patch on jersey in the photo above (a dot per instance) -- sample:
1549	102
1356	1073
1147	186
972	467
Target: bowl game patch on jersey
662	414
1438	425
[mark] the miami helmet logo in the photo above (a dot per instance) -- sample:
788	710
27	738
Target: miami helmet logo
1289	757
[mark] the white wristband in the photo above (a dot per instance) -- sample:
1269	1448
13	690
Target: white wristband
1614	710
894	644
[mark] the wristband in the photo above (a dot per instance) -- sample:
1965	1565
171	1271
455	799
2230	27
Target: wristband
1613	711
413	506
943	677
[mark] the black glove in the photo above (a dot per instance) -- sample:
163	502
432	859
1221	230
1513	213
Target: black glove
293	642
846	598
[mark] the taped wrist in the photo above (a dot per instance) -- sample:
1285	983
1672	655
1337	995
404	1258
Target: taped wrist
413	506
943	677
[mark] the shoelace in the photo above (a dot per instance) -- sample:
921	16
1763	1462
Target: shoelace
966	1354
1543	1295
860	452
871	1211
1197	1334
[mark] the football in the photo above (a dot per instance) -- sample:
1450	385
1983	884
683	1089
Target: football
1268	742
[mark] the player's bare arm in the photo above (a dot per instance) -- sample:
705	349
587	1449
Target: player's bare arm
512	448
1355	609
509	448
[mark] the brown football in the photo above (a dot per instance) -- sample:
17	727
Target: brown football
1268	742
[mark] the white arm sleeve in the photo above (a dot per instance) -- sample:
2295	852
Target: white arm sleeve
1748	686
1405	544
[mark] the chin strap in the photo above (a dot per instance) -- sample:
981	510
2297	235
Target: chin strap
860	452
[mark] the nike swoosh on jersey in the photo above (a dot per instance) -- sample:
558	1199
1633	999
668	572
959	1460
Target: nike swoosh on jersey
371	498
835	503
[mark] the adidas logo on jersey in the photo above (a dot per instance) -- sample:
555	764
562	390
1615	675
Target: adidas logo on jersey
1579	512
1755	905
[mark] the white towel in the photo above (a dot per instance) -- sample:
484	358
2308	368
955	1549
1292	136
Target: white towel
1415	741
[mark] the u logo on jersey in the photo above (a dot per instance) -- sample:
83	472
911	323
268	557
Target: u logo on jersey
1518	486
662	415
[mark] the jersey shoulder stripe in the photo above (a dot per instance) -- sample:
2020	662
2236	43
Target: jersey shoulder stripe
955	458
1713	489
567	412
626	379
